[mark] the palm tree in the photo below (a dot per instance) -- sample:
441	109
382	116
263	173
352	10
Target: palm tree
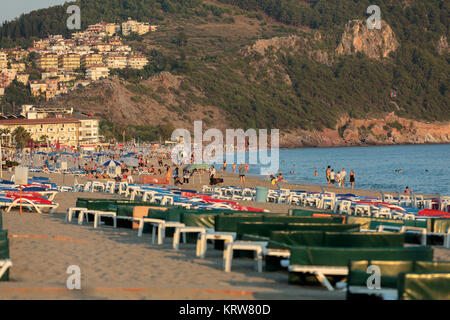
20	137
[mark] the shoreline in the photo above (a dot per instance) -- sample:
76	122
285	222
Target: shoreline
364	145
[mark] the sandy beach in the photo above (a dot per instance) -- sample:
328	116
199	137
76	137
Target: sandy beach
116	264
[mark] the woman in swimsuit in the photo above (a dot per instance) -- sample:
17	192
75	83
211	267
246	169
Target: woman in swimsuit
352	178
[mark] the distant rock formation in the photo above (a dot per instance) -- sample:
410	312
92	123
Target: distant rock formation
442	46
376	44
388	130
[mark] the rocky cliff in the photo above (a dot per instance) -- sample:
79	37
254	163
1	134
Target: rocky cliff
388	130
375	44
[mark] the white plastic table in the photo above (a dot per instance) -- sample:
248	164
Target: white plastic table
162	227
227	237
184	230
71	211
258	247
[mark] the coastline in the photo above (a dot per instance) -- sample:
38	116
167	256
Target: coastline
363	145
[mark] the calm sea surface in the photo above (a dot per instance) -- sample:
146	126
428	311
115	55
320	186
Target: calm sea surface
375	167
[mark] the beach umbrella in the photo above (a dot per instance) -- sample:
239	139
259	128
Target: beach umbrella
111	163
129	154
130	162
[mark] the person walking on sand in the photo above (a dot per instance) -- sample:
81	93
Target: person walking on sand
352	178
327	173
242	173
343	177
233	167
168	175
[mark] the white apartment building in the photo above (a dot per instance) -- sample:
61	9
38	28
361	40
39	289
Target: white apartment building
137	62
116	62
133	26
89	130
97	72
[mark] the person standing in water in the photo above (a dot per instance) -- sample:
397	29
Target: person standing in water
327	173
343	177
332	177
352	178
338	179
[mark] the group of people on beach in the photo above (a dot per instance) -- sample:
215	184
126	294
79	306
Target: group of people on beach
242	170
339	178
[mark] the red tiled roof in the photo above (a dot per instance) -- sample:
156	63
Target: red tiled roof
37	121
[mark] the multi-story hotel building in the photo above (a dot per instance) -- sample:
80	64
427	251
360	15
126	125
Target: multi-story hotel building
66	131
89	134
95	73
47	61
133	26
137	62
70	61
116	61
90	60
111	28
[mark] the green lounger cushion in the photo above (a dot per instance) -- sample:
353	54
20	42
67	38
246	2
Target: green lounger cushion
252	237
363	239
389	271
258	228
230	223
4	254
199	220
338	256
297	238
330	227
432	266
288	219
424	286
338	239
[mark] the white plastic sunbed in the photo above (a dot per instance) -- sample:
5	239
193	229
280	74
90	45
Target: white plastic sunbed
321	272
4	266
26	203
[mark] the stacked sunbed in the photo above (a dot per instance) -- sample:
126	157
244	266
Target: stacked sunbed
37	195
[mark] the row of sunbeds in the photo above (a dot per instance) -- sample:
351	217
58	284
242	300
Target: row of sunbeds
326	248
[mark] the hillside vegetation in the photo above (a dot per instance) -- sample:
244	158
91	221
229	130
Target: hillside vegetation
215	67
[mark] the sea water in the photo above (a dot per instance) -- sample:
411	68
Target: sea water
425	169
